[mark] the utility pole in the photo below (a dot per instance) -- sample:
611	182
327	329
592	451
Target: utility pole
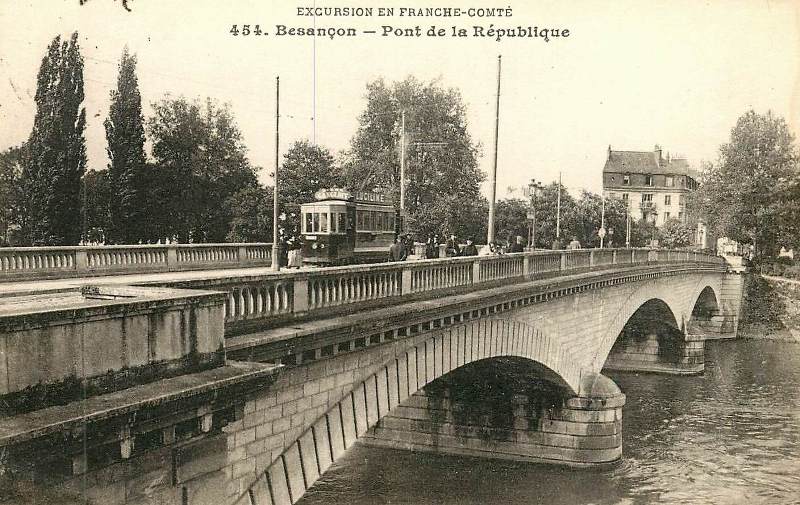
490	236
276	247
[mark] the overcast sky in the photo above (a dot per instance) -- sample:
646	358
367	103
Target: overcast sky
631	73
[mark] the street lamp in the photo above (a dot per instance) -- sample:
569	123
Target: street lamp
532	192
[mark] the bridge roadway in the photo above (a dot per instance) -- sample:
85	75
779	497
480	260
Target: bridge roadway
360	346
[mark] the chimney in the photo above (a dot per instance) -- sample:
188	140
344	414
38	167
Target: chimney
609	151
658	154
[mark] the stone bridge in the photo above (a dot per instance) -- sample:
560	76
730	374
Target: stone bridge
382	354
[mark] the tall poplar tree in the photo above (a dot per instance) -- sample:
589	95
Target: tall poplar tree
51	179
127	170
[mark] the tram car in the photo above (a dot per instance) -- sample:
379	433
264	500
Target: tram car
342	227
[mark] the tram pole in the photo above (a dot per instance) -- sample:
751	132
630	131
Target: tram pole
490	235
276	247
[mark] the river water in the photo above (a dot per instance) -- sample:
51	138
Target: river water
729	436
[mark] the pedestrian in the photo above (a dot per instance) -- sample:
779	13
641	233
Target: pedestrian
469	249
518	246
452	248
432	247
574	243
295	256
397	251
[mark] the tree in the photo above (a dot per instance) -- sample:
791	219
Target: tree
744	195
51	179
127	170
12	161
441	158
99	200
673	233
306	169
586	217
448	214
251	215
200	156
511	218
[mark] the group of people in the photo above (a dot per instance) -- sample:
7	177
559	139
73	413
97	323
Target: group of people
403	247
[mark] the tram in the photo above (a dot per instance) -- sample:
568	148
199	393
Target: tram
342	227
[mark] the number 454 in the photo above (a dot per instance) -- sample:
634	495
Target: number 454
245	30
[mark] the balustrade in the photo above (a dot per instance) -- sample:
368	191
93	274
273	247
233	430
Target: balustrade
441	274
32	263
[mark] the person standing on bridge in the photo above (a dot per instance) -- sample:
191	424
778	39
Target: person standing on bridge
469	249
518	246
452	248
574	243
432	247
397	251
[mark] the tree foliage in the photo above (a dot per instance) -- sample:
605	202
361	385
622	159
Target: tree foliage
307	168
12	217
674	234
450	214
51	178
127	172
441	158
201	162
99	204
251	215
747	195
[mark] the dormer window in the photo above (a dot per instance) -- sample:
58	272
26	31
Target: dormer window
648	180
626	179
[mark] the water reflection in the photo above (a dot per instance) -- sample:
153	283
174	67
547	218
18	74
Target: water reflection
730	436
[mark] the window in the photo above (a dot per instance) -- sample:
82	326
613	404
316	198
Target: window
670	181
308	224
626	179
625	197
647	197
648	180
682	200
342	220
667	199
666	216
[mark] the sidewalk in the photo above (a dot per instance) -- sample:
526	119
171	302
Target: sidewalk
50	285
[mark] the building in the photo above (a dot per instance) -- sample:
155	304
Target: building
655	187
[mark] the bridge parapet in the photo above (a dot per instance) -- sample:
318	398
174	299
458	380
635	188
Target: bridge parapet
260	301
32	263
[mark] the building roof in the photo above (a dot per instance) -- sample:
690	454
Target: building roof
645	162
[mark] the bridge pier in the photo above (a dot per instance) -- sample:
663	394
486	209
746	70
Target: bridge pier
674	354
534	425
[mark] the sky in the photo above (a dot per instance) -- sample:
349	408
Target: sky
631	74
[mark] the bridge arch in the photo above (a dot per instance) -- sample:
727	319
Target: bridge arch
706	305
304	460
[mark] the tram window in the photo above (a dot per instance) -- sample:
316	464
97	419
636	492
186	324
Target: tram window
391	222
341	219
307	222
323	222
368	220
315	228
360	220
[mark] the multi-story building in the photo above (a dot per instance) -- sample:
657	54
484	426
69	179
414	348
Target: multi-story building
655	187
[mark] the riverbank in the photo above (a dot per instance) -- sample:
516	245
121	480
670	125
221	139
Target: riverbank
770	309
